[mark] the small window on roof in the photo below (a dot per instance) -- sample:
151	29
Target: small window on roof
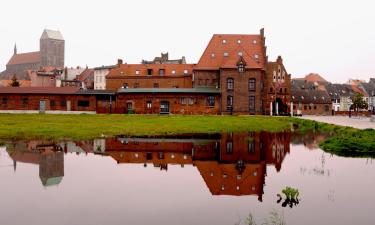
256	56
186	71
173	71
239	53
239	41
137	72
254	41
224	41
212	55
226	54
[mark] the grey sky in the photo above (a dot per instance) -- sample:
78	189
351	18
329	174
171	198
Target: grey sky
333	38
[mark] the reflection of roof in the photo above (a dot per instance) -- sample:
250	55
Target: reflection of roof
24	58
52	181
171	90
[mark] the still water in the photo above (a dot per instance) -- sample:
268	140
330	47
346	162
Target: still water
184	179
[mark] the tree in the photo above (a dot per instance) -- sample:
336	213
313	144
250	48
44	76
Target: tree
359	102
15	82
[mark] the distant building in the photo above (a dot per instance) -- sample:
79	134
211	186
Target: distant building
51	54
164	59
100	74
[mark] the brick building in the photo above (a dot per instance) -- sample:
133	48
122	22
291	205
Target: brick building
236	66
51	54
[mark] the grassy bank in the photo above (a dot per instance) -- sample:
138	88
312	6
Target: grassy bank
92	126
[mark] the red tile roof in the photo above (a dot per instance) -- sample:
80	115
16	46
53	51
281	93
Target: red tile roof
250	46
130	69
24	58
87	74
39	90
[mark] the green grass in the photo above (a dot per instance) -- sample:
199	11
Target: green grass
75	127
360	143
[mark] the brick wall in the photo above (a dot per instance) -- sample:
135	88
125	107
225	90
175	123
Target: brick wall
180	81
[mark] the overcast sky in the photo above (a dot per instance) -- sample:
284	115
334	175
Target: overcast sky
334	38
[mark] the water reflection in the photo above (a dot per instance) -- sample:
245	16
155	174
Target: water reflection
230	164
48	156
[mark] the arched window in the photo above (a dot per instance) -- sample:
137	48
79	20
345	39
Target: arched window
230	84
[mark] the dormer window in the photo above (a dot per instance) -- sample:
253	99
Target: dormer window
241	65
173	71
240	53
226	54
256	56
212	55
137	72
239	41
254	41
186	71
224	41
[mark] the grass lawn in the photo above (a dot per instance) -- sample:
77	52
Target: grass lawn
74	127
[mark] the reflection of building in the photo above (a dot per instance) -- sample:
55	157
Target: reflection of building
48	156
230	164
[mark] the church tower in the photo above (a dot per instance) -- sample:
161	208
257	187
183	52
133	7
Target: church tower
52	49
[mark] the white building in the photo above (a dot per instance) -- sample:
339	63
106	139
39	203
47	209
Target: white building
100	74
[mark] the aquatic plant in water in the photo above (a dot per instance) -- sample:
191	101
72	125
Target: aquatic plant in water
291	197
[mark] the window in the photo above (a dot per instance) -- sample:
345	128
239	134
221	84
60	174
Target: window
52	103
229	102
238	41
136	85
226	54
230	84
254	41
173	71
156	85
149	71
326	108
285	90
315	107
271	89
239	53
83	103
149	104
125	85
63	103
241	68
25	101
183	101
305	107
256	56
4	101
129	106
190	101
251	147
252	84
212	55
161	72
137	72
251	103
229	149
224	41
186	71
211	101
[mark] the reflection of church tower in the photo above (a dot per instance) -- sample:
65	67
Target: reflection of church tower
51	168
52	47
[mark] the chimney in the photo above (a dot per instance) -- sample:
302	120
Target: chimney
279	59
262	32
119	62
66	73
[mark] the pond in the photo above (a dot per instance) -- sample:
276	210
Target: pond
184	179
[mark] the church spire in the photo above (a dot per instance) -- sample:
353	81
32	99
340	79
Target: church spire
15	49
